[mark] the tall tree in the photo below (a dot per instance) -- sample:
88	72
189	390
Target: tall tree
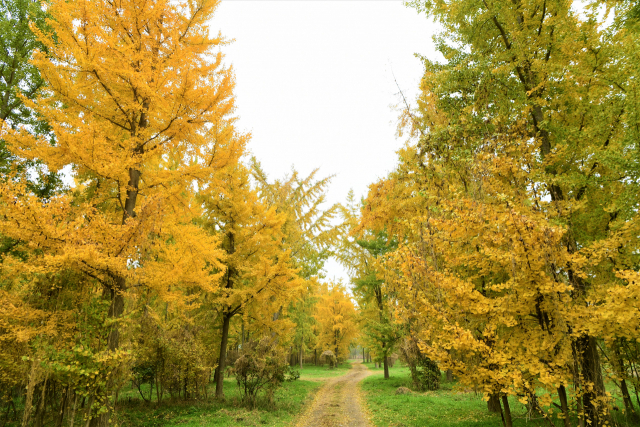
259	273
309	231
145	101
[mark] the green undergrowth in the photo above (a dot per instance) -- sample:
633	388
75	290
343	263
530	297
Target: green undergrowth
290	401
449	406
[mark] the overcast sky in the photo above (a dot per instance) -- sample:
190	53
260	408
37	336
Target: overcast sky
315	84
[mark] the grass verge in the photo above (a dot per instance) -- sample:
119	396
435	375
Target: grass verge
447	407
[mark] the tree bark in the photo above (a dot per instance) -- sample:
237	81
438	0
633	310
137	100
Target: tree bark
506	414
116	310
592	374
222	360
386	367
449	375
564	405
493	404
301	352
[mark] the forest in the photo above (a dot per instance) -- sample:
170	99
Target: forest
150	265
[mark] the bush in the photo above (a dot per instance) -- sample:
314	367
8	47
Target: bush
328	357
262	365
170	355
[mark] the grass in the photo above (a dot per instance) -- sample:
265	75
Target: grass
290	401
312	372
447	407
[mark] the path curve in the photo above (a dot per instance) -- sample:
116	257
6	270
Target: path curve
338	402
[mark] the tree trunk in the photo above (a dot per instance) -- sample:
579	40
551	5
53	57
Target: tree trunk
493	404
301	354
592	374
628	404
63	407
449	375
564	405
117	290
226	320
506	415
618	363
116	294
386	367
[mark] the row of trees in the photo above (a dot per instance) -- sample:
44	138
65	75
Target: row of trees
170	250
506	240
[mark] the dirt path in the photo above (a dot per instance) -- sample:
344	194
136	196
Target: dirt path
337	403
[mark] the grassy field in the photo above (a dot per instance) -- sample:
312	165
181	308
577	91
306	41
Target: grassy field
291	400
443	408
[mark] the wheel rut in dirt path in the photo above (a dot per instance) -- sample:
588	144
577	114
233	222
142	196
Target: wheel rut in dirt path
337	403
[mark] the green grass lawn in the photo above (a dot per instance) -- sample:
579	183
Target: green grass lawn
312	372
443	408
290	401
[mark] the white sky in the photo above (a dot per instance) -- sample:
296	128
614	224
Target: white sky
315	84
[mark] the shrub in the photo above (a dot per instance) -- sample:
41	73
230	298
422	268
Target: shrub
262	365
330	358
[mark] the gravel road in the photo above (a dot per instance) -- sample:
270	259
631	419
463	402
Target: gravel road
337	403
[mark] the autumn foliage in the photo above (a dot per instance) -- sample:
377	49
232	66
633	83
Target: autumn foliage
336	317
514	206
503	248
163	252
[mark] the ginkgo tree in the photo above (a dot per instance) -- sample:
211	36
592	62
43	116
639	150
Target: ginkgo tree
336	317
514	204
260	276
135	96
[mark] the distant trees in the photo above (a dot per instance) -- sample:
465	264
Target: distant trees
336	316
310	236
